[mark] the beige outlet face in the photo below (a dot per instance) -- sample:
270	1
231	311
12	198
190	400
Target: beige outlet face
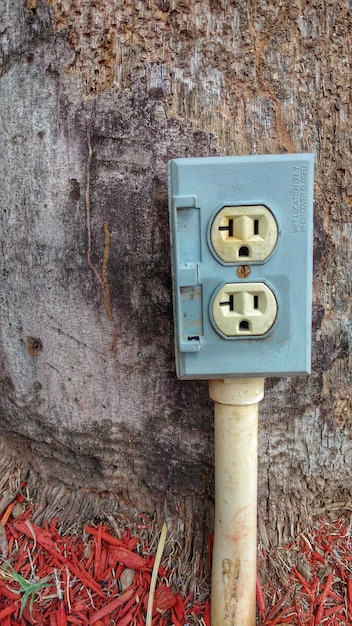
244	309
243	233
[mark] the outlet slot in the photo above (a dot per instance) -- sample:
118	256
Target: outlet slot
243	233
228	303
228	228
244	252
243	309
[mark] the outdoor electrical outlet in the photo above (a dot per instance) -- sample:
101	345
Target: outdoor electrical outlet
241	250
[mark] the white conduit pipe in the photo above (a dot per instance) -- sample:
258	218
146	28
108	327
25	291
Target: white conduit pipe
233	595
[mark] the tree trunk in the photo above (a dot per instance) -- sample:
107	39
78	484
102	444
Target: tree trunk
96	97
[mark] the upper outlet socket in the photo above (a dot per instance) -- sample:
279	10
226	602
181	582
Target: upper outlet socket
243	233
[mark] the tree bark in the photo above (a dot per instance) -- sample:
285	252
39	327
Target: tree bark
95	98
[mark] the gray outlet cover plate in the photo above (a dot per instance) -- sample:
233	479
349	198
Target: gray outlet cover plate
198	189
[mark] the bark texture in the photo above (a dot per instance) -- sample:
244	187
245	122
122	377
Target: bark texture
96	97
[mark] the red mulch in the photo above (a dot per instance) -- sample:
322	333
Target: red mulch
317	569
95	578
98	578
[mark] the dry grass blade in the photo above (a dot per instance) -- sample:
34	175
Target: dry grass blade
157	562
4	546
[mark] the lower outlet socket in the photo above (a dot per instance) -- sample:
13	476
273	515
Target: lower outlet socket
243	309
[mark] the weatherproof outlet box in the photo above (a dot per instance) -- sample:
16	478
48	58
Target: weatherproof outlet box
241	250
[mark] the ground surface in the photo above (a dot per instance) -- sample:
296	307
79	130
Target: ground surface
103	574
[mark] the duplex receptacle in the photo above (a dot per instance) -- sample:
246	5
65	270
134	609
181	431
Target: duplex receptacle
241	251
